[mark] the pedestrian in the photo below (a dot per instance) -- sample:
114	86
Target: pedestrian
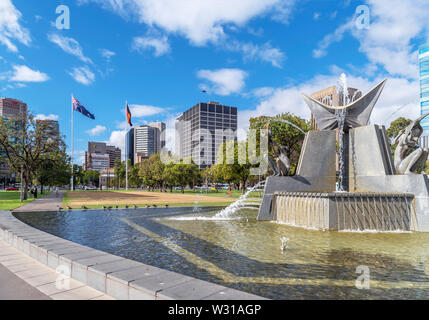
35	192
56	191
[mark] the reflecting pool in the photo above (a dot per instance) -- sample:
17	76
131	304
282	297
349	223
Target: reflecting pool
264	258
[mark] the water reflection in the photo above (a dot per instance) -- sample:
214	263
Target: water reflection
245	254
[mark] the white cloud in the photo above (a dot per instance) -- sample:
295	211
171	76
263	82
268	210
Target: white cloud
198	21
159	45
140	111
10	28
80	159
316	15
117	139
223	81
46	117
265	53
329	39
399	94
83	75
97	130
23	73
69	45
388	41
107	54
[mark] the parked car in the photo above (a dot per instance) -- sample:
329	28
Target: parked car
12	189
91	188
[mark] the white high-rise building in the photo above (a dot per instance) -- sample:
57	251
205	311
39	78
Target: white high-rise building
145	140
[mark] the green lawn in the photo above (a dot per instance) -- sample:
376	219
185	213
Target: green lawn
10	200
170	205
219	193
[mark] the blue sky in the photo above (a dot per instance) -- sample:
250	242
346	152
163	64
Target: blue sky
258	55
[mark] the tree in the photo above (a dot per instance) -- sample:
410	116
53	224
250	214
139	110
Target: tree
182	175
152	171
91	177
239	171
167	177
26	143
55	171
78	174
133	174
284	135
119	168
397	126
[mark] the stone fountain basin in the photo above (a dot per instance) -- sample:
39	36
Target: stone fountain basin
354	211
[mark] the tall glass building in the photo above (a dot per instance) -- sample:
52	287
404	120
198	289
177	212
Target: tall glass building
202	129
424	85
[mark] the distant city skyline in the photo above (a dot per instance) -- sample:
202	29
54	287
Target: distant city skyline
256	55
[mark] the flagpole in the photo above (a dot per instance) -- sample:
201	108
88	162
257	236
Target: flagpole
72	145
126	151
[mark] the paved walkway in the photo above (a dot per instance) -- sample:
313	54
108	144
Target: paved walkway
24	278
50	202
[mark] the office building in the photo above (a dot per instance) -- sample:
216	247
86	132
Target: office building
160	135
100	156
202	129
424	91
114	154
107	178
145	140
11	108
99	161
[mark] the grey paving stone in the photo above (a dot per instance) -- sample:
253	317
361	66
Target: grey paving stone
160	281
126	276
92	261
85	253
190	290
109	267
14	288
79	268
55	254
96	276
117	289
232	294
135	294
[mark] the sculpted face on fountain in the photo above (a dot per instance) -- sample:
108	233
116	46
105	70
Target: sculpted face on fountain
358	112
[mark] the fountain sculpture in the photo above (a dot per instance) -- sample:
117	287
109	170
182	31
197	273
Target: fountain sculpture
375	193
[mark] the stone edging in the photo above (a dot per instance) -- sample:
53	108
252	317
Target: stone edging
115	276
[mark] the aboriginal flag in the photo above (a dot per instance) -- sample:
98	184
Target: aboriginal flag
129	116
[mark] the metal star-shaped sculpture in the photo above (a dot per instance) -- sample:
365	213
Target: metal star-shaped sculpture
358	112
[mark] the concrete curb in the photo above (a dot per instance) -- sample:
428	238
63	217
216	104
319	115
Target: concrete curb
117	277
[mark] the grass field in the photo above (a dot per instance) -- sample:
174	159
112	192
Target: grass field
10	200
96	199
210	193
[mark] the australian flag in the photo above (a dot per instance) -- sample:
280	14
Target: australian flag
80	108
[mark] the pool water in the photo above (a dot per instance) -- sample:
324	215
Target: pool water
249	255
